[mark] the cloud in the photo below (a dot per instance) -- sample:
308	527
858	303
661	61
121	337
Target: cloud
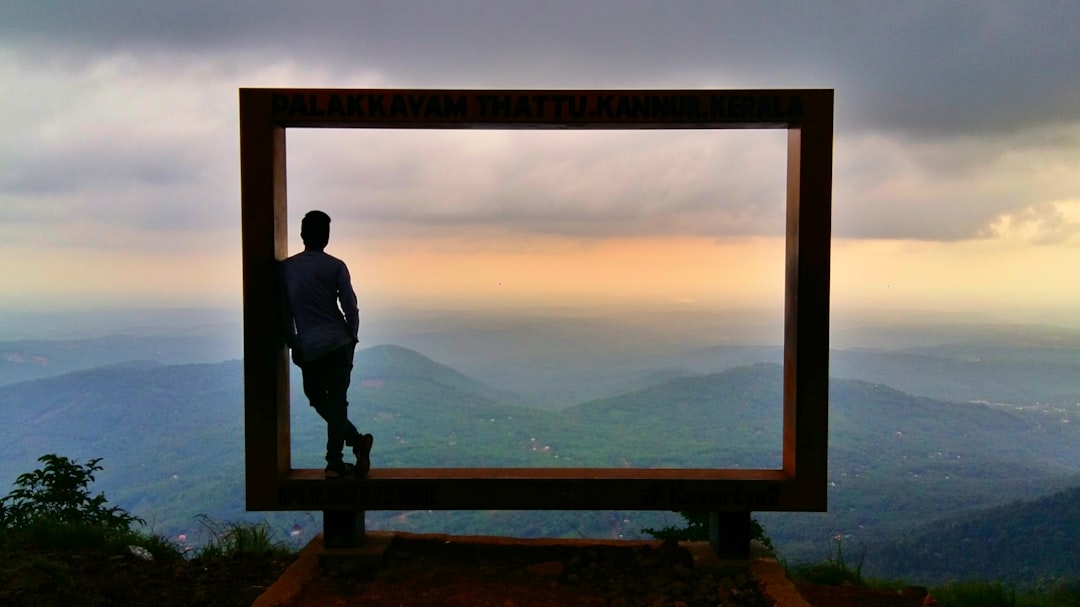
1045	223
947	189
948	117
926	69
588	184
935	70
119	155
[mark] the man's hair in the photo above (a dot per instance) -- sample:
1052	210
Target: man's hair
315	229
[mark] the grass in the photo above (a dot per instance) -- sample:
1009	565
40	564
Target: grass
59	564
227	540
60	544
836	571
53	508
48	535
230	539
998	594
955	594
976	594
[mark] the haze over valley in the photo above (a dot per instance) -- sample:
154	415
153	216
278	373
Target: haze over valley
940	420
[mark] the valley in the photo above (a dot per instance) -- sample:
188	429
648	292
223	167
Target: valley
904	463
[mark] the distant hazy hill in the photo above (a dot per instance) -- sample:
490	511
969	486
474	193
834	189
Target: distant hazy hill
145	411
894	458
1023	542
731	419
171	439
423	413
396	364
1016	364
560	360
33	359
972	372
897	459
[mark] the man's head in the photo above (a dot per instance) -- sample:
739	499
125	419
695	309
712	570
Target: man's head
315	230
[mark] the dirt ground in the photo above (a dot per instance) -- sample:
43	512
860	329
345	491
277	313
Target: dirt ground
857	596
429	572
421	571
33	578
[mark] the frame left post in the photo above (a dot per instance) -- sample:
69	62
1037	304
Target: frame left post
263	213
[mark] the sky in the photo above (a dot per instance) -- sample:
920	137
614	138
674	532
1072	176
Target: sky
956	187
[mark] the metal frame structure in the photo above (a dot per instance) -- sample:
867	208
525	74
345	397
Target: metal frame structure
800	485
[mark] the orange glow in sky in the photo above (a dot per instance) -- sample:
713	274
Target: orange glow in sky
621	271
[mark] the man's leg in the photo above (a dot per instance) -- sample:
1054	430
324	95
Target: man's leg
352	435
338	397
320	376
337	387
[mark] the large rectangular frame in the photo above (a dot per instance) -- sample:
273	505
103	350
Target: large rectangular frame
800	485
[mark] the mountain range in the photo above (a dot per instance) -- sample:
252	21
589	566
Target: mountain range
901	466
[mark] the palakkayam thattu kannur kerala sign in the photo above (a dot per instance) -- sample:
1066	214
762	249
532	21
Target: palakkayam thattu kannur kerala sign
799	485
422	108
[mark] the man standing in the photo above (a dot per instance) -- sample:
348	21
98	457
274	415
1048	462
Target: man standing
323	338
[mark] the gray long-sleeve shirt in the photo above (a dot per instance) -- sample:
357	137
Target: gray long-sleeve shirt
315	284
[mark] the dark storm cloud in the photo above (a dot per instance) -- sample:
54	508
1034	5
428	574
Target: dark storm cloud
947	115
924	68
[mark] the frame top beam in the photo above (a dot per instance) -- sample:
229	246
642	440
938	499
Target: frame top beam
543	109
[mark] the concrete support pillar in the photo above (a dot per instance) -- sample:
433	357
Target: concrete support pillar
729	534
343	528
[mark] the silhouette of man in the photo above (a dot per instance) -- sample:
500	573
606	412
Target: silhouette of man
321	321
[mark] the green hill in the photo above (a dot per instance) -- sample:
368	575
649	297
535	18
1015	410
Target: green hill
731	419
171	438
1023	542
424	414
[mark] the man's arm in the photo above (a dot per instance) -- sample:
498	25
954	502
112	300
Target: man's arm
287	327
347	298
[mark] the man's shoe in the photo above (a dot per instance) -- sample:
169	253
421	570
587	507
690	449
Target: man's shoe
339	469
363	454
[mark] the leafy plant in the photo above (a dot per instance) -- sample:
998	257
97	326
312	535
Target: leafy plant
58	493
697	530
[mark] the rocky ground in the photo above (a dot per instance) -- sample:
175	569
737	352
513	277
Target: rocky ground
425	572
418	573
428	572
93	579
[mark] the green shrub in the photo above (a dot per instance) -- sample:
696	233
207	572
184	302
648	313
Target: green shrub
58	494
52	509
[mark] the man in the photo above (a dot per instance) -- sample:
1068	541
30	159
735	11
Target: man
323	338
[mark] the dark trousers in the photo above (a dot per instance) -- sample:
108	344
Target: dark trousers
326	384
